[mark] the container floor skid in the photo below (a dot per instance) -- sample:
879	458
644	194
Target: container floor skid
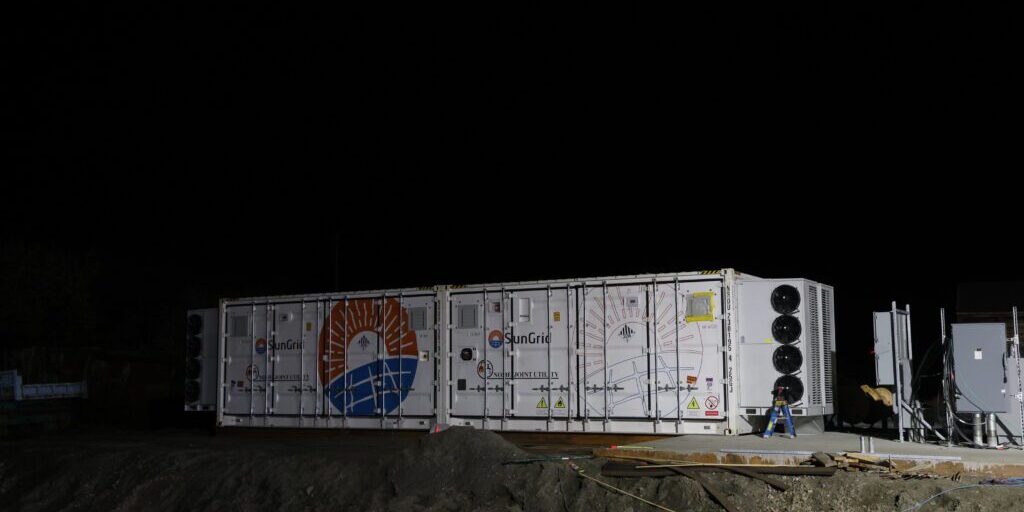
655	354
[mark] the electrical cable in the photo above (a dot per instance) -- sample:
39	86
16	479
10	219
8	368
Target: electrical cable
932	497
915	378
1012	482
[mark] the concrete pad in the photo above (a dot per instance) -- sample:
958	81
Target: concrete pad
753	449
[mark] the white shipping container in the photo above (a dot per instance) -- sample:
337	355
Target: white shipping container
645	354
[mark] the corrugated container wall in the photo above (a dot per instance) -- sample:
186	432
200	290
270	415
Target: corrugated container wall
652	353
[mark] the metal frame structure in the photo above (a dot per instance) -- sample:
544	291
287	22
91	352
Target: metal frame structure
1015	353
906	410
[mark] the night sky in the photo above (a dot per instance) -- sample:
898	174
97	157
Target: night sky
167	156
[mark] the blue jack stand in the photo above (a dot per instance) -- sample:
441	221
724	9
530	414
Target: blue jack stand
780	407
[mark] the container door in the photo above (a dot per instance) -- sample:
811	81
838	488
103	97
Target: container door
688	351
357	392
539	342
293	359
614	361
247	359
418	362
479	362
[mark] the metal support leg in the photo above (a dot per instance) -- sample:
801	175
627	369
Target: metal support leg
979	428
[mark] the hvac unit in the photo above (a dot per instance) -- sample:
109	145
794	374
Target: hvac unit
786	342
200	359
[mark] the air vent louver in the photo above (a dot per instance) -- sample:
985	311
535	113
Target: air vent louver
814	347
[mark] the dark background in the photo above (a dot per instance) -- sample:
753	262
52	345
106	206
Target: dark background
163	157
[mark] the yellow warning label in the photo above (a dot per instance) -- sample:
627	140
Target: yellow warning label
693	404
560	404
542	404
557	316
309	326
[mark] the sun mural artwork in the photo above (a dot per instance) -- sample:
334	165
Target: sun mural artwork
355	380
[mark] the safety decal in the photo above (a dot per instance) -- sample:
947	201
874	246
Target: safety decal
691	379
560	404
711	402
543	404
485	369
557	316
693	404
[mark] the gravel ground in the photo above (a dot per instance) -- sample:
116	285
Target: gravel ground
460	469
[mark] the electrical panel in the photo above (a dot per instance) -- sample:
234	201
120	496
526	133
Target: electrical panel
979	352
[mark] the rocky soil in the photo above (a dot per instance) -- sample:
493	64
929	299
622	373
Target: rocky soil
460	469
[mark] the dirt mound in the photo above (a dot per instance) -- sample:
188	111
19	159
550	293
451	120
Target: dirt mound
459	469
458	461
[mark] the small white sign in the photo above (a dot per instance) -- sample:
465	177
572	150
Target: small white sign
977	353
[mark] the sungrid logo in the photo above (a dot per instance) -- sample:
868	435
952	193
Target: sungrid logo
494	338
286	345
262	345
530	338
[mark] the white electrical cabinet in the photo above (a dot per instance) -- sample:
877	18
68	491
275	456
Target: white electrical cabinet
647	354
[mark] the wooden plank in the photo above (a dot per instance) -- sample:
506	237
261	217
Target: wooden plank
863	457
824	459
796	471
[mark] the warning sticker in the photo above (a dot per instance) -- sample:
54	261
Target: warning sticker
693	404
557	316
691	379
543	404
711	402
710	413
560	404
